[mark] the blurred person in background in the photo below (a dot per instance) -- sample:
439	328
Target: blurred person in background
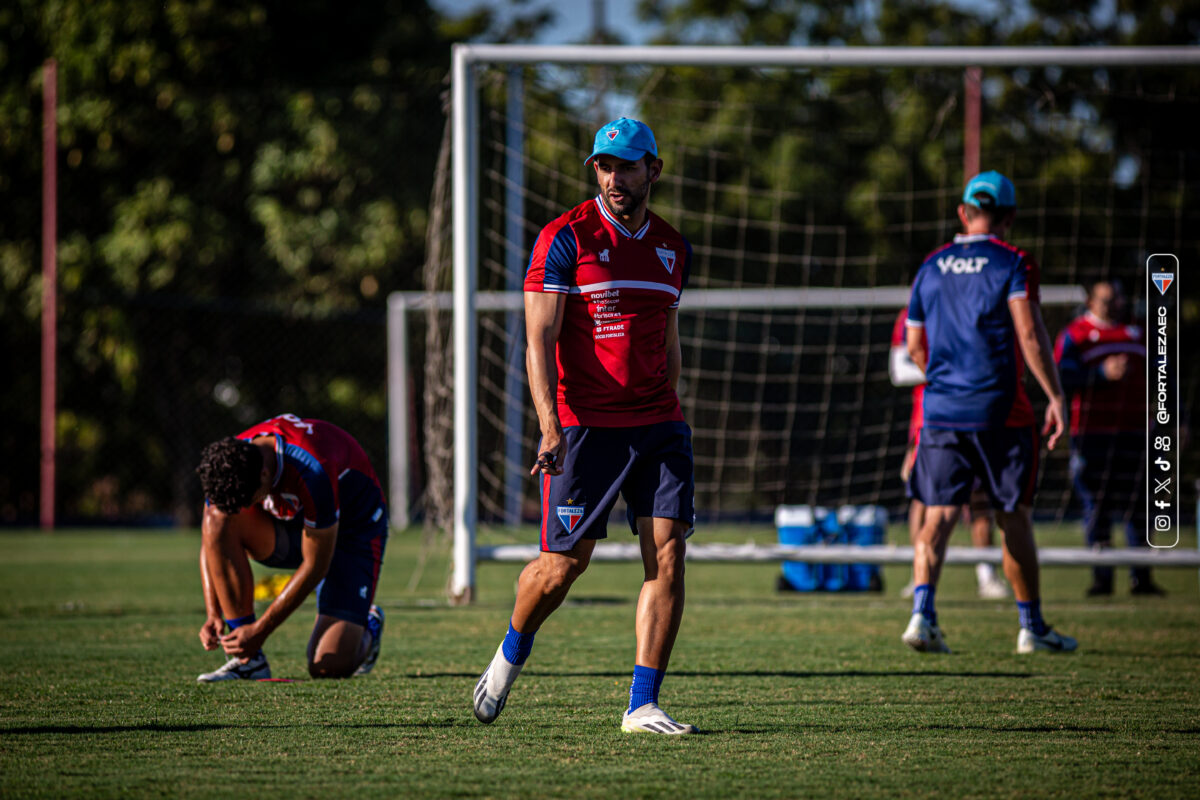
1102	364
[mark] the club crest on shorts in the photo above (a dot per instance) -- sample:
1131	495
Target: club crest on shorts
570	516
667	257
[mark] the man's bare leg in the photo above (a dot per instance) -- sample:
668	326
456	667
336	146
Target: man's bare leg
929	553
541	588
660	602
336	647
227	543
916	521
1020	554
981	524
659	612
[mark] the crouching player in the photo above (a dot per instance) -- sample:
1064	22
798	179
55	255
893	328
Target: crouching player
976	302
296	494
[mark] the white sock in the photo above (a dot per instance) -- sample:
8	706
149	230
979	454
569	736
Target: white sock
503	674
985	573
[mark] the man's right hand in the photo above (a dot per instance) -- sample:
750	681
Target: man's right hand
210	633
1056	421
550	454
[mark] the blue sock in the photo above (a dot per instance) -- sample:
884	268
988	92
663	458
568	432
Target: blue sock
923	602
517	645
644	689
1031	617
234	624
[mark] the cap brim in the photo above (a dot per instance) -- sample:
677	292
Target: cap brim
624	153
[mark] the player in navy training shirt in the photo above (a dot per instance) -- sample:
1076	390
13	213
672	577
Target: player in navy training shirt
296	494
975	301
601	297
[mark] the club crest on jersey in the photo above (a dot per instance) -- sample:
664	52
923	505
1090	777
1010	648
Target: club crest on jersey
1163	281
667	257
570	516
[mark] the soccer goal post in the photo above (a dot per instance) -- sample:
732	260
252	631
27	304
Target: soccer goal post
788	302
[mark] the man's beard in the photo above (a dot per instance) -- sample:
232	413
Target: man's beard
634	196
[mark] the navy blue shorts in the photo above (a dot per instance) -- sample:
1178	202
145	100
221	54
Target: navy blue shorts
649	465
1004	460
349	586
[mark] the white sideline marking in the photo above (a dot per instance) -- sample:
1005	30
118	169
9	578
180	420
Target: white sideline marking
869	554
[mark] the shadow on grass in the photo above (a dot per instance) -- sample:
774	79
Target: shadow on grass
847	673
154	727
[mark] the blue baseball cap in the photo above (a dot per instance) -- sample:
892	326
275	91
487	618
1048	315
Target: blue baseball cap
990	190
624	138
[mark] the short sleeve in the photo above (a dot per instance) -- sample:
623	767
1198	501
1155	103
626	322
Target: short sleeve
916	309
552	263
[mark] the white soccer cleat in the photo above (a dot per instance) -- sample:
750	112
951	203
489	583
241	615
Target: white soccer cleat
993	589
652	719
375	627
491	692
1051	641
909	588
255	669
923	636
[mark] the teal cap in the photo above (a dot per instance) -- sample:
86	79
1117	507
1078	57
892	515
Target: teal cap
990	190
624	138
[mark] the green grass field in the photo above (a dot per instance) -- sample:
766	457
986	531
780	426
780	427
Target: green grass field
796	696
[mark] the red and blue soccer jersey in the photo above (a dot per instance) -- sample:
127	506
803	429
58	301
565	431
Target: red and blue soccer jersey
321	474
612	357
1099	405
974	370
900	339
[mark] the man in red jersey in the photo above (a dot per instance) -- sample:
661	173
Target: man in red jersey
296	494
601	297
1102	363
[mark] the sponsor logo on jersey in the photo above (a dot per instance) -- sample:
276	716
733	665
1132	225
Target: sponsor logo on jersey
1163	281
667	257
570	516
961	266
604	255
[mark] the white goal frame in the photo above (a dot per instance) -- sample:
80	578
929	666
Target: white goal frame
465	188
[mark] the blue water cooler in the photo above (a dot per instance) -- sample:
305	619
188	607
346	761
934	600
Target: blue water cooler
864	525
798	525
834	577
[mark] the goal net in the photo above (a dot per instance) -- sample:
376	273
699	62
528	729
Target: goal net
810	194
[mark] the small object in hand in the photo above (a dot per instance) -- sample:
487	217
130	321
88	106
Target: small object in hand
546	460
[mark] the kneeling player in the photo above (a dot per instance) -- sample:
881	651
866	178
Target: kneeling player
296	494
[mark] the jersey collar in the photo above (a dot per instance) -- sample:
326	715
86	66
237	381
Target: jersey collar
617	223
964	238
